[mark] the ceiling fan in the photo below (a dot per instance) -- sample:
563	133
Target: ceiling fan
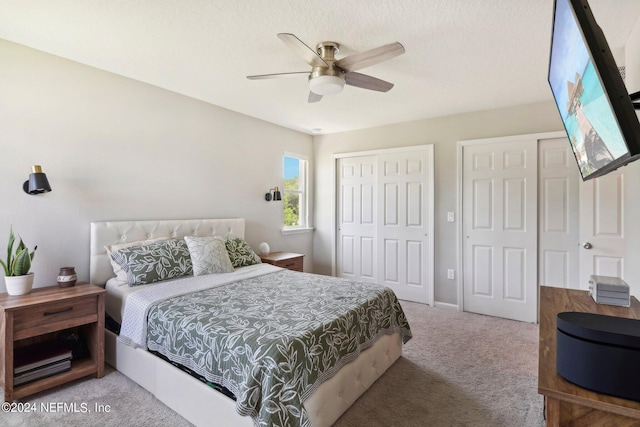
328	75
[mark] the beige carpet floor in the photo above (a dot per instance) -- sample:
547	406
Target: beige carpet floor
460	369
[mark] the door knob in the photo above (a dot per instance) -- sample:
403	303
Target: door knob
587	245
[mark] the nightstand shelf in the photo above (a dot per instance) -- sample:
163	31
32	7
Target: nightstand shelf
79	369
286	260
44	312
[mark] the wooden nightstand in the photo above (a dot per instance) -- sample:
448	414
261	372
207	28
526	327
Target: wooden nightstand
33	317
286	260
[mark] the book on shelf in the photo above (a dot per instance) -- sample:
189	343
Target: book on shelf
42	372
38	355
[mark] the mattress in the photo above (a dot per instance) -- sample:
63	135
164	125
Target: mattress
117	293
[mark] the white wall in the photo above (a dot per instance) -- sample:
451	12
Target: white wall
444	134
114	148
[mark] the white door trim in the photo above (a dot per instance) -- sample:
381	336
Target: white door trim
431	241
459	153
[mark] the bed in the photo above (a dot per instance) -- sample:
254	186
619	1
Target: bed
335	387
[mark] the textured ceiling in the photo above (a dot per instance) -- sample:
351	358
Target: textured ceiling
461	55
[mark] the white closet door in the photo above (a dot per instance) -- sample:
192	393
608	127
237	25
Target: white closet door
404	252
581	223
500	229
602	235
357	217
385	220
559	217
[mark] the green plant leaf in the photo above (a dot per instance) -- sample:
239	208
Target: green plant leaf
22	263
12	239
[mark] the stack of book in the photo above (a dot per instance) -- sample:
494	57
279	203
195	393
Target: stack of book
40	360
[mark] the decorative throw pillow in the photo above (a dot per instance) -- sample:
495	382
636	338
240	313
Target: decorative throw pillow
162	260
240	252
117	270
208	255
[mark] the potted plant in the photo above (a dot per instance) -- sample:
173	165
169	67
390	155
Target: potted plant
16	269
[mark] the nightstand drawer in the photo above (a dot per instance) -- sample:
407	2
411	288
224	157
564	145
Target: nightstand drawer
294	264
286	260
67	310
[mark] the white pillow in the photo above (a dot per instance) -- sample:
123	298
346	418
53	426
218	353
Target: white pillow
121	275
208	255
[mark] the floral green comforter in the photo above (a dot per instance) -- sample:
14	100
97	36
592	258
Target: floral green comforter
273	339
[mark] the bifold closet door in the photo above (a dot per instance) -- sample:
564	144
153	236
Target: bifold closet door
357	216
384	220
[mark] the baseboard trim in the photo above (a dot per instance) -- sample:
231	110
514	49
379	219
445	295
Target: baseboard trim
446	305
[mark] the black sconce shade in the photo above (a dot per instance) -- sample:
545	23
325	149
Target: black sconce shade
37	183
276	195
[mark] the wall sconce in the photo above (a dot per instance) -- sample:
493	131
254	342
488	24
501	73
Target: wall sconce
276	195
37	183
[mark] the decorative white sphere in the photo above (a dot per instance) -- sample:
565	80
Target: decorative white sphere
264	248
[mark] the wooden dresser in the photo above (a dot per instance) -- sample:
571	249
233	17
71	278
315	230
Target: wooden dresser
39	315
566	403
286	260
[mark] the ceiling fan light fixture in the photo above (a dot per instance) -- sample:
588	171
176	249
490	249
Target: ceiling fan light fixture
326	85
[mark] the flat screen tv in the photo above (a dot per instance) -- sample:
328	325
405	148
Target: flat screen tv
595	107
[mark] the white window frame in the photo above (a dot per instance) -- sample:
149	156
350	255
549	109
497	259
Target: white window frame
303	215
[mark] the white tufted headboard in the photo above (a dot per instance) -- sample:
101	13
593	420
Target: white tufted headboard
114	232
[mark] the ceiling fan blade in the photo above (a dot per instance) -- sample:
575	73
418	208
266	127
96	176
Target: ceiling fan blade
314	97
371	57
276	75
367	82
309	55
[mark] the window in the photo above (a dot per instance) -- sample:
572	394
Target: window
295	195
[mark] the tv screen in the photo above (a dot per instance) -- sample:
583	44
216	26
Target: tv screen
593	102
